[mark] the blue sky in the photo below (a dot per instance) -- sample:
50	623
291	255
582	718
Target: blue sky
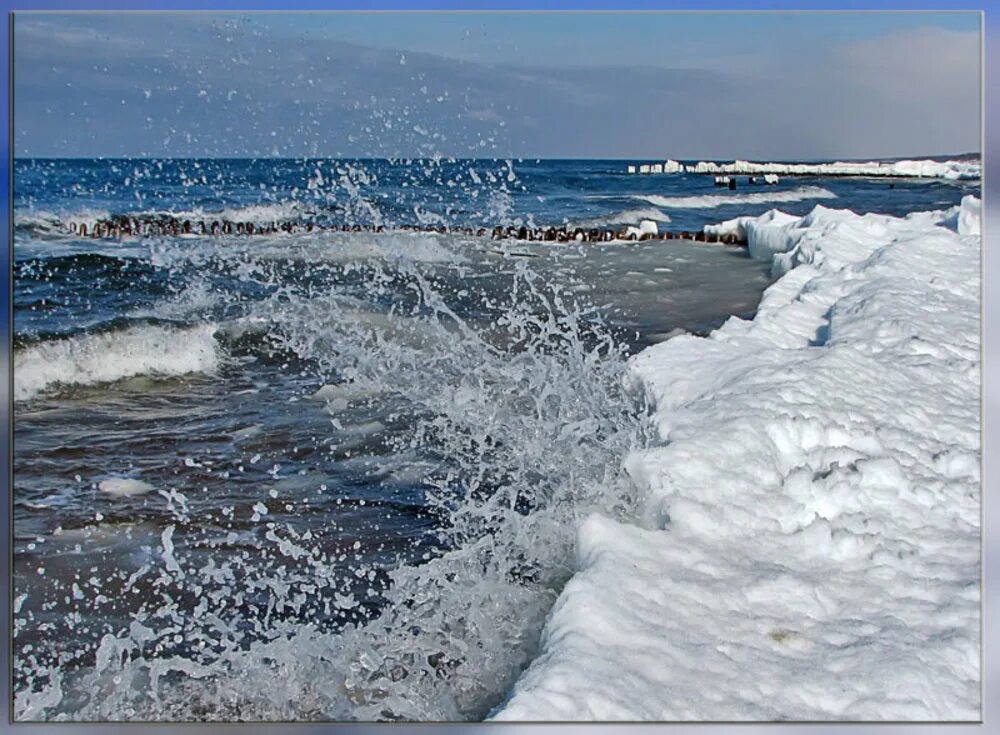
681	85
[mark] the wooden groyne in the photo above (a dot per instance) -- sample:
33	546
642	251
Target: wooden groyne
118	227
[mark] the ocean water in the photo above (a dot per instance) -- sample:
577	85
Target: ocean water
327	474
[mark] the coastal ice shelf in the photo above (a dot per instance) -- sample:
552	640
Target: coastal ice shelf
911	169
808	546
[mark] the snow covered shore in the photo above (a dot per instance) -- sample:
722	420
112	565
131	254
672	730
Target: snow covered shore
809	543
919	168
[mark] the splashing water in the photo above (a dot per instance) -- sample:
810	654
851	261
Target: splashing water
328	475
503	398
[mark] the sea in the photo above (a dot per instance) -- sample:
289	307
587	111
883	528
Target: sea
335	473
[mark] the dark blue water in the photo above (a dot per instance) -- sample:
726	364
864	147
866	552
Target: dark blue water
459	192
351	462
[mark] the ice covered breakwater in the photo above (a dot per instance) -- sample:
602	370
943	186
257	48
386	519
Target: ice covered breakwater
910	168
124	226
808	540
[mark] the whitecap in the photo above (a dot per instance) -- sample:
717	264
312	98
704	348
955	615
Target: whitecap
710	201
89	359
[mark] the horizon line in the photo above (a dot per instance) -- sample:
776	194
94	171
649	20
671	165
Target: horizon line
521	158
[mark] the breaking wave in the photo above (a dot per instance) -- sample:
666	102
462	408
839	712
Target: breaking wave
520	418
625	217
41	222
710	201
88	359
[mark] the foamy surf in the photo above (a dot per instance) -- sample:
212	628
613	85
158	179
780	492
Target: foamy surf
44	218
513	442
625	217
54	223
89	359
710	201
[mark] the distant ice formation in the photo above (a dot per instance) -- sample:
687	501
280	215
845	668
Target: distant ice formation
916	168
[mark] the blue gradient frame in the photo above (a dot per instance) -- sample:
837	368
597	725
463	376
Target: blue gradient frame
991	344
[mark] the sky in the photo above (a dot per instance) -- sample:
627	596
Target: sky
499	84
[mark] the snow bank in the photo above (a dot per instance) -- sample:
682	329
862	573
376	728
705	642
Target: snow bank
783	239
922	168
764	235
808	544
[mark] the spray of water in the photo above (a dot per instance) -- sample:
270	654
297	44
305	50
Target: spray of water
506	401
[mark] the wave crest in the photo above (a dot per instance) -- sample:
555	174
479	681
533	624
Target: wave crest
625	217
88	359
710	201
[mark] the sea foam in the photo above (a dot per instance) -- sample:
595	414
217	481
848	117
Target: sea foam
521	434
625	217
109	356
710	201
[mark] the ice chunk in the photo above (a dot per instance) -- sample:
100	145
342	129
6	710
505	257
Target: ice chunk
121	487
970	216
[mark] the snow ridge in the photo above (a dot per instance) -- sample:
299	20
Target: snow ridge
809	542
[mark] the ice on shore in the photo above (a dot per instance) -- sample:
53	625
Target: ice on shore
648	227
624	217
918	168
808	545
783	239
970	214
